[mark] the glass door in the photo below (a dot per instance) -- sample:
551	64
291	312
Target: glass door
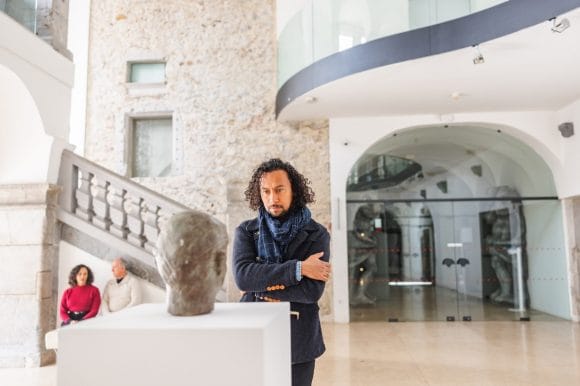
405	262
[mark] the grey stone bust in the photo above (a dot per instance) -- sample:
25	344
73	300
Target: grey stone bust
191	258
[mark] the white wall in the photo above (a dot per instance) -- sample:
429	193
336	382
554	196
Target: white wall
24	142
35	102
569	150
349	138
70	256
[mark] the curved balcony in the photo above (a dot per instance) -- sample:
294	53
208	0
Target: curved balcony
332	39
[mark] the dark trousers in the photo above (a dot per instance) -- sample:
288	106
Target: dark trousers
302	373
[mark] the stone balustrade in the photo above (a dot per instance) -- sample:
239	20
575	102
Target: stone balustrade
112	208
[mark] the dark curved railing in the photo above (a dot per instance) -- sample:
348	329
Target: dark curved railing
470	30
380	172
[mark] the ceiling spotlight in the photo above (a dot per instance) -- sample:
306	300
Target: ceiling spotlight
560	26
478	58
311	99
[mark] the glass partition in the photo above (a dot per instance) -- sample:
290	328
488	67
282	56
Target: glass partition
457	260
324	27
23	11
460	222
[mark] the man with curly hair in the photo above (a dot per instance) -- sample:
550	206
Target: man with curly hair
282	255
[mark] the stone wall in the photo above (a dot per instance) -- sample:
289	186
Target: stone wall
28	278
220	87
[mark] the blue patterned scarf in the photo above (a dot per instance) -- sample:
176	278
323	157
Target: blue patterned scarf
275	235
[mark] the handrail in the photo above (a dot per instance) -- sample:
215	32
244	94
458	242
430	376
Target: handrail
119	208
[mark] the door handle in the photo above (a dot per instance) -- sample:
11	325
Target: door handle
463	261
448	262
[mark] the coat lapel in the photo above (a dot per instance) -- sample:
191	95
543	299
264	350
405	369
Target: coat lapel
297	242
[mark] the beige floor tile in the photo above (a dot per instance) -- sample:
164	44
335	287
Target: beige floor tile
426	354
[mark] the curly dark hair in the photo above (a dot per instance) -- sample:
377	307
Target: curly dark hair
72	277
302	193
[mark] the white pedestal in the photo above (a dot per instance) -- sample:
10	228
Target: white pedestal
237	344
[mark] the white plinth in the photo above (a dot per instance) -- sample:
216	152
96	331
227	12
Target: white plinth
237	344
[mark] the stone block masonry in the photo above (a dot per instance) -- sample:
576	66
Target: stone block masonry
28	277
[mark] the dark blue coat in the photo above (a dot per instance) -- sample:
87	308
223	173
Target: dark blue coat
277	282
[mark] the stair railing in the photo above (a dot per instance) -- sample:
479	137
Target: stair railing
112	208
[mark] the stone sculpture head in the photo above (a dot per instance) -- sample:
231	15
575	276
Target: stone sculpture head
191	258
363	219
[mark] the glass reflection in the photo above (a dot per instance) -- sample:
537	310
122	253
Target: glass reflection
362	247
454	223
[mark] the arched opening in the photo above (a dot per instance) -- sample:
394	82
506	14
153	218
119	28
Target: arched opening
24	141
454	223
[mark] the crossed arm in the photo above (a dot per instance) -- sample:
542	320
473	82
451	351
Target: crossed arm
278	281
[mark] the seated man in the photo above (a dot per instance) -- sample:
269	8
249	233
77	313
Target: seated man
122	291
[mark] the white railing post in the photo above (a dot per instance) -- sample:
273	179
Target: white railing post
151	227
84	198
100	204
117	212
134	221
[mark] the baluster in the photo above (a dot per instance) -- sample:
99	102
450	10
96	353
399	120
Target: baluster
100	204
84	198
135	221
117	212
151	230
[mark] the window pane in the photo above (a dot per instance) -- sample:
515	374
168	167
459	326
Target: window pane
152	147
23	11
147	73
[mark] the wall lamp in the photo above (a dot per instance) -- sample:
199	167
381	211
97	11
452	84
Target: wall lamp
560	26
477	170
442	185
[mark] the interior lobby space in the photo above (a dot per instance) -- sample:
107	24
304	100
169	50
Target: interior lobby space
425	353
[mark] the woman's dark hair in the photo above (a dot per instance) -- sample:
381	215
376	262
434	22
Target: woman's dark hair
72	277
302	193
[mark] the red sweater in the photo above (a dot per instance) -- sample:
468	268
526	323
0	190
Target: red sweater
84	298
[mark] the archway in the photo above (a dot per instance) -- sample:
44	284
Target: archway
24	141
481	227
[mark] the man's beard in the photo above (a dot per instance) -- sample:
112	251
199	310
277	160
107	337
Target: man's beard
282	213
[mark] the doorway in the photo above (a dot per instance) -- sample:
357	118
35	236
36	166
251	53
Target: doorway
438	260
454	223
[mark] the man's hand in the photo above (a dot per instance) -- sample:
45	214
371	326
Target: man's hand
314	268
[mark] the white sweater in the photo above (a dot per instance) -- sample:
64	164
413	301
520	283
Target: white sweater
117	296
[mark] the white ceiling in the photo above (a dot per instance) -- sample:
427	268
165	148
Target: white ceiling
532	69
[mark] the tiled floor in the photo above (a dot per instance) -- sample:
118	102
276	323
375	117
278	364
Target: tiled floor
450	353
430	353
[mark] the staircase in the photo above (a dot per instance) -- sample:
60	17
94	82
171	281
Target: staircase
113	210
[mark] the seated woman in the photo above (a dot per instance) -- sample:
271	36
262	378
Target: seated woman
82	300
